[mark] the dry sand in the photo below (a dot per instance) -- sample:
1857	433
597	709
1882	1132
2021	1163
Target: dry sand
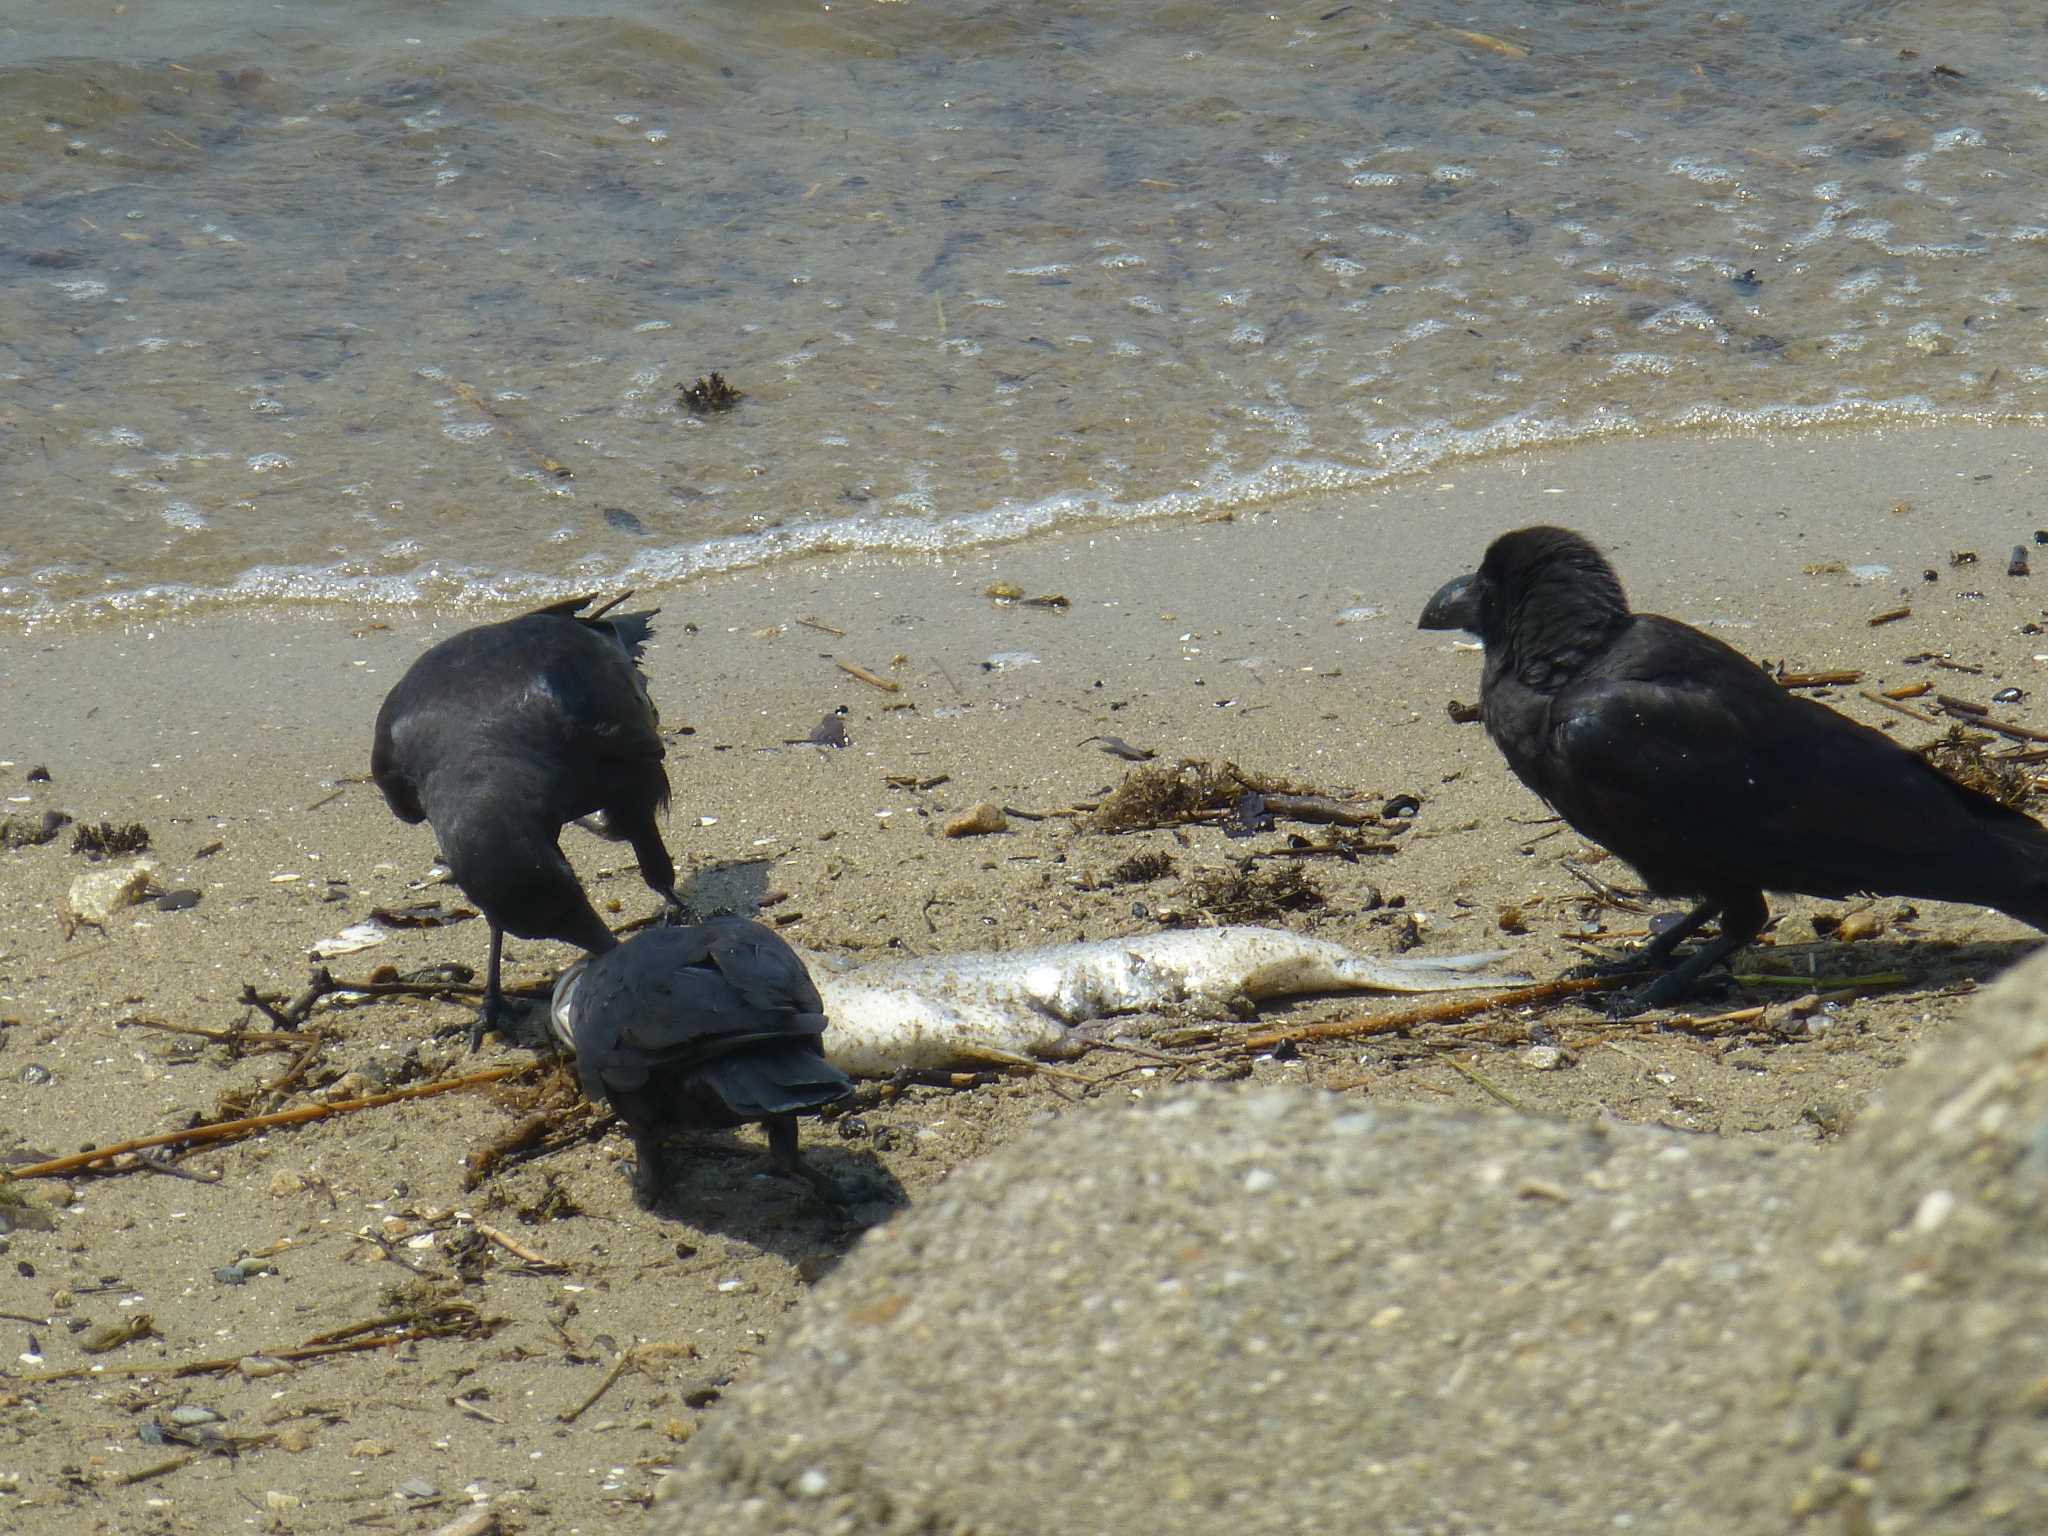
1246	641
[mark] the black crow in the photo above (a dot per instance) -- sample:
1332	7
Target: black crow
700	1028
499	736
1685	758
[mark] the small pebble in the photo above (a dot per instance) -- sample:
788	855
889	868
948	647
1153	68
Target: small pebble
1543	1058
978	819
417	1488
35	1075
192	1413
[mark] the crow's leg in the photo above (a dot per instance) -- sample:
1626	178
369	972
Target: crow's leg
1658	953
783	1154
650	1174
1742	918
493	1012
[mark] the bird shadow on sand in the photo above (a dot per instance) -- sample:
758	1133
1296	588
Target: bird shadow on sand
737	888
1928	964
720	1182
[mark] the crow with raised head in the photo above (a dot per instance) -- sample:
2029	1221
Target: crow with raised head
1685	758
700	1028
501	735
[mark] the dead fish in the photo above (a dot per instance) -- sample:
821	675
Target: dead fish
945	1010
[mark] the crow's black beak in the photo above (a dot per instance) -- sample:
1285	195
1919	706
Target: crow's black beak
1455	606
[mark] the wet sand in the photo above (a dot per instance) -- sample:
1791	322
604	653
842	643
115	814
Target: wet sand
1247	640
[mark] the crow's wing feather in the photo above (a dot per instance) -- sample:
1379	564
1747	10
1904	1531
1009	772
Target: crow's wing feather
1688	761
665	1003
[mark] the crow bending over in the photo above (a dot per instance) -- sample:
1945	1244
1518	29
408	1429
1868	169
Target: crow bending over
1685	758
499	736
700	1028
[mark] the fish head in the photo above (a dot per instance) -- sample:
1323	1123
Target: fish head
562	1006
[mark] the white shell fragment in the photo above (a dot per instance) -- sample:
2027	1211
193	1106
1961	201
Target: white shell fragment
357	936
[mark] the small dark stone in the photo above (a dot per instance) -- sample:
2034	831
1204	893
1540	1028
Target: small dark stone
624	521
1401	805
39	775
177	901
2009	696
852	1128
35	1075
2018	565
1930	576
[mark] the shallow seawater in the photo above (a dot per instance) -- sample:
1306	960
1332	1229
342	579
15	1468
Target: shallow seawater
390	303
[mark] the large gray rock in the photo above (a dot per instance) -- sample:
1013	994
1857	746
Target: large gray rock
1267	1311
1900	1377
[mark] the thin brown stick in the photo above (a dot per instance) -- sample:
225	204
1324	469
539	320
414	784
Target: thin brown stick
823	628
228	1130
1890	616
518	1249
1485	1084
1894	705
1739	1016
625	1364
887	685
512	429
1610	895
2007	728
1368	1025
161	1469
1320	808
1842	678
442	1321
244	1039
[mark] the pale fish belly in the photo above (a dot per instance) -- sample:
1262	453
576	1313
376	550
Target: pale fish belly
951	1010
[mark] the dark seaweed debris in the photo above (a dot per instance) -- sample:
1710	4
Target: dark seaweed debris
105	840
710	394
1210	790
1246	894
1961	755
30	831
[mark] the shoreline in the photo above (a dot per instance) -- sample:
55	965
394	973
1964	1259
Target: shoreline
1244	641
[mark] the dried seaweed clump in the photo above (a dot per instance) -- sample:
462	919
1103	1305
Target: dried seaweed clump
107	840
30	831
1141	868
1961	755
1173	794
1245	894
